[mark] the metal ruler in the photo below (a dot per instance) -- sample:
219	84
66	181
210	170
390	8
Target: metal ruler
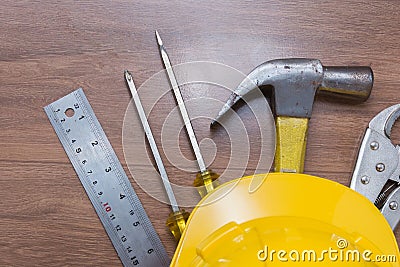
105	182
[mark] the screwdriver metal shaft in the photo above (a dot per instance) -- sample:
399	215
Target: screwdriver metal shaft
181	104
177	218
152	142
205	181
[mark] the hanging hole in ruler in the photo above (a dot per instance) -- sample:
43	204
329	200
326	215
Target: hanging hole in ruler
69	112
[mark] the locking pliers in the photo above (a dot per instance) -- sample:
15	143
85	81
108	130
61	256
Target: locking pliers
377	171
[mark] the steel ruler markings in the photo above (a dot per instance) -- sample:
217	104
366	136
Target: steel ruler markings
105	182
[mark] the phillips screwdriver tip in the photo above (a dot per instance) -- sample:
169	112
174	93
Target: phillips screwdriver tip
128	75
159	41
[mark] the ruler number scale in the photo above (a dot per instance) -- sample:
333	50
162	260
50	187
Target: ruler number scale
105	182
124	182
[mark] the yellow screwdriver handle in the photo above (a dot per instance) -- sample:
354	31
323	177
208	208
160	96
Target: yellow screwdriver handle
291	139
206	182
176	223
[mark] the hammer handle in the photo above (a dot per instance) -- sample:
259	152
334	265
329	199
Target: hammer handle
291	139
354	83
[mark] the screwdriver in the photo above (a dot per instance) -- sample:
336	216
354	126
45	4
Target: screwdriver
205	181
176	221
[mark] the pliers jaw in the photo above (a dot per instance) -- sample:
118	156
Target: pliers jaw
383	122
377	171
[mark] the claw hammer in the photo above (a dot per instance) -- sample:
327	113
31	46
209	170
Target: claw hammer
295	82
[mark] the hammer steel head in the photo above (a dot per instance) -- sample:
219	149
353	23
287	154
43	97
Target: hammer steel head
295	82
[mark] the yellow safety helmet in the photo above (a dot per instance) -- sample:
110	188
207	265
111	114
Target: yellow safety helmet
291	220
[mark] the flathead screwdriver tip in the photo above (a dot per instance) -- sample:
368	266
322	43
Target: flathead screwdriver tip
159	41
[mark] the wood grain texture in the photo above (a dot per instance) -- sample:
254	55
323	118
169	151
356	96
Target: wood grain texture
48	49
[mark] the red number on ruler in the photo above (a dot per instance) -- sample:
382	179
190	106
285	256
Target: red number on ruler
107	207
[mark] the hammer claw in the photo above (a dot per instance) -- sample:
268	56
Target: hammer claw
233	98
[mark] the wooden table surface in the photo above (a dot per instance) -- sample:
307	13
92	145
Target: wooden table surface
48	49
